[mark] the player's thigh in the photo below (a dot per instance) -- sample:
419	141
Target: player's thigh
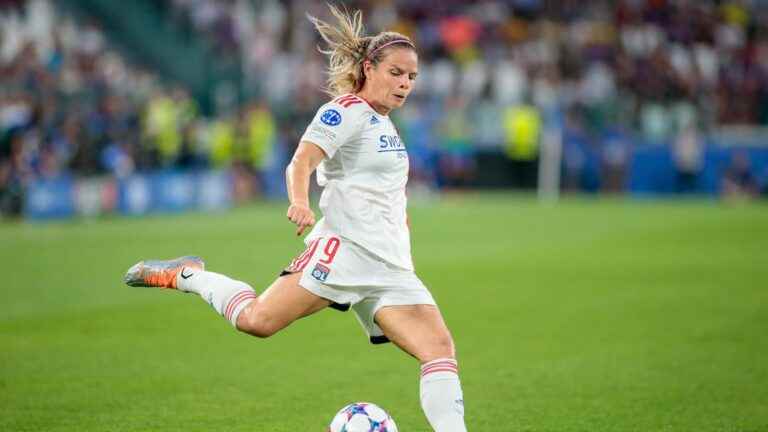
418	330
279	305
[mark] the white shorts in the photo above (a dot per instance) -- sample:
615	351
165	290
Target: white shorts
351	277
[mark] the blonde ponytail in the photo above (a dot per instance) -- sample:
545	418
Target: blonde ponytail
348	48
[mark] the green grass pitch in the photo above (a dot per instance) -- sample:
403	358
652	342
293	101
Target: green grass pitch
591	315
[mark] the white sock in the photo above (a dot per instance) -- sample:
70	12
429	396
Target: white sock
227	296
441	396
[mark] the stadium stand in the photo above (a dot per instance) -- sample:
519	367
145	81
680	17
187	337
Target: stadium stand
651	96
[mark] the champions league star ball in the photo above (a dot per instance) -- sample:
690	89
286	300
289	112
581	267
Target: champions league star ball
362	417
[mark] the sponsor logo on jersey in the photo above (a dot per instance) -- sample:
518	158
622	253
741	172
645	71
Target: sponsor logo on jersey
320	272
390	143
375	120
331	117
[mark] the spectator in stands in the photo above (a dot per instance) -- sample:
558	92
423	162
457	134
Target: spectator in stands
738	181
259	141
688	157
456	161
615	158
523	126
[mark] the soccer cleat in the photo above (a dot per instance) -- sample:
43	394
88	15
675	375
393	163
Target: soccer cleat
161	274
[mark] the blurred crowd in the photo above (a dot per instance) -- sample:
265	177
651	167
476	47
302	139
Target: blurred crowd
494	75
71	104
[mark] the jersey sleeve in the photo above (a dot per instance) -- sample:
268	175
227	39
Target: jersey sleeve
333	125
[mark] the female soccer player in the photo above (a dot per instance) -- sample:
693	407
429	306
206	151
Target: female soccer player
358	254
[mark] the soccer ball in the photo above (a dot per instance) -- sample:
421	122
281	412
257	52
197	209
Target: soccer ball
362	417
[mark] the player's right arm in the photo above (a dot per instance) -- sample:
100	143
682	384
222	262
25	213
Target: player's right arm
334	124
306	159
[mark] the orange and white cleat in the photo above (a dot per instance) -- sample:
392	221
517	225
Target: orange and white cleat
162	274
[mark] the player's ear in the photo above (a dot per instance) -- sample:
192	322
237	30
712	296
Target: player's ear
367	67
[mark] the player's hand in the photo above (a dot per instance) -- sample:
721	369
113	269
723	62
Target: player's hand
302	216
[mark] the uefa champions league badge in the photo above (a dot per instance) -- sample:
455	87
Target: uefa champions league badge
320	272
331	117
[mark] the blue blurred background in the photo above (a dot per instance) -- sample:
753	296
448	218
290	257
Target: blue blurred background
171	105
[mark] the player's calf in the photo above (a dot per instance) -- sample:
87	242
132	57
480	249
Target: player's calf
440	388
439	347
257	321
441	397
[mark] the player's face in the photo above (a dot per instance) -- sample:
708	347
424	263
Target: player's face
392	80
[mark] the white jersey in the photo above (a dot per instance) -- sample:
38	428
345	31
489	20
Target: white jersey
364	178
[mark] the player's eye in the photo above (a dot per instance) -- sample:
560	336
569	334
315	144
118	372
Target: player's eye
412	76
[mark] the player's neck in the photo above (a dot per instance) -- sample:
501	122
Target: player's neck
379	108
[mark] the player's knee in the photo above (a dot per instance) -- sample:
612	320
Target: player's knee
257	322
